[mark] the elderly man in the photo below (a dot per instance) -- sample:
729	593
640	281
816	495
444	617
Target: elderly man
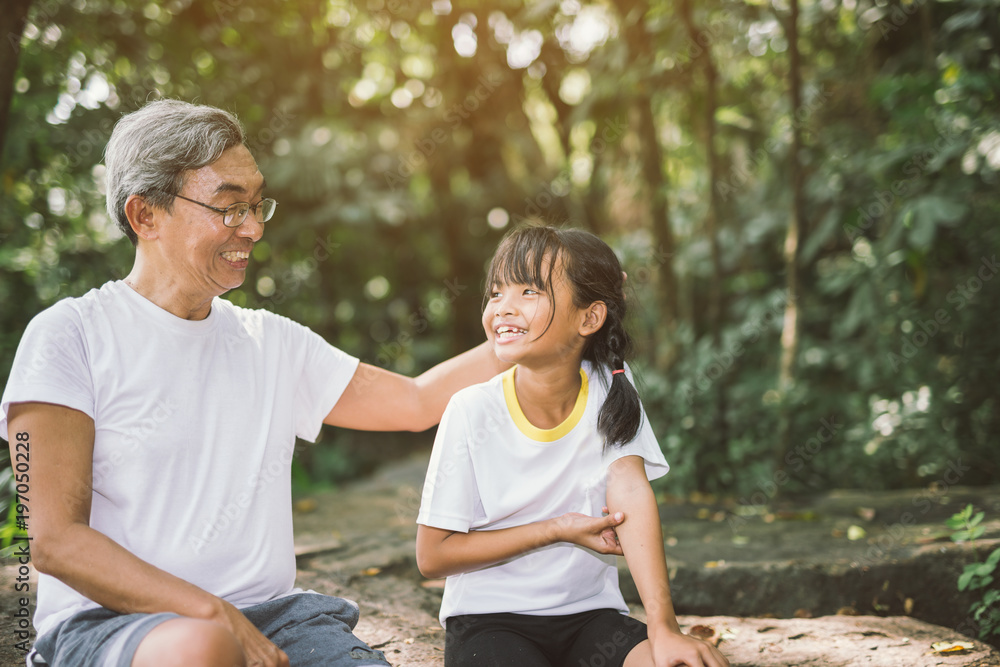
160	421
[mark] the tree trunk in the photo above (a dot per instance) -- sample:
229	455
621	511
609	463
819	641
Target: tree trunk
652	156
715	452
656	181
790	327
12	21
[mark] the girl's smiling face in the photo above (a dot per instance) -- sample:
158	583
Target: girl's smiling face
532	324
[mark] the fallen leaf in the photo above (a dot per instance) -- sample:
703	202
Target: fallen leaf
908	606
855	533
408	640
706	633
803	613
371	571
701	631
703	513
866	513
715	563
306	505
952	648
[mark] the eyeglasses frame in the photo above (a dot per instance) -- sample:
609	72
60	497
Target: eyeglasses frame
223	211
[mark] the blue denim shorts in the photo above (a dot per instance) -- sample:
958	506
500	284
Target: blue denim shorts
313	629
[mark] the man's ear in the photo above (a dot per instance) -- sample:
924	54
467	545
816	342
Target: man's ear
141	217
594	318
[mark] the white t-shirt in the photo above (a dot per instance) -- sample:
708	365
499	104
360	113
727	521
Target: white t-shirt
195	428
492	469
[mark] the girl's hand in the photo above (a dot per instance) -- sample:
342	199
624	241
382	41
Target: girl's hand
672	649
595	533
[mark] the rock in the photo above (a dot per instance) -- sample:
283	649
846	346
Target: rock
835	641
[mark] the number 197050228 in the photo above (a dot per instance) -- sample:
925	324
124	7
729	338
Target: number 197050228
22	451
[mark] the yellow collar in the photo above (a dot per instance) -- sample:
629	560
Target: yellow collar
529	429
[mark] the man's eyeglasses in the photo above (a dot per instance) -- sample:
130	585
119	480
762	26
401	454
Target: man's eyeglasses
235	215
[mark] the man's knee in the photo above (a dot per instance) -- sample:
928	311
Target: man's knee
189	642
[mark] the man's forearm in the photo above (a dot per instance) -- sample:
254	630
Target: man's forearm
104	571
473	366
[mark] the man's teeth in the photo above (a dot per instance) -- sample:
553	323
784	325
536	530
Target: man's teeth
236	255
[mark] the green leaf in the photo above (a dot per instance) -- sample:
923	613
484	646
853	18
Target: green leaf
976	520
964	579
929	212
961	21
984	569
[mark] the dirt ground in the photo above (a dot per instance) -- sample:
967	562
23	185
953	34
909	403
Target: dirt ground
778	573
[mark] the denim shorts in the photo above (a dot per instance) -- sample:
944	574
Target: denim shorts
313	629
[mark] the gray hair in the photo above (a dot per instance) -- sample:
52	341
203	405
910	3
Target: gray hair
151	148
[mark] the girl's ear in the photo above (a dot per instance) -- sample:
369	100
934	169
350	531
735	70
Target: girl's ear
593	318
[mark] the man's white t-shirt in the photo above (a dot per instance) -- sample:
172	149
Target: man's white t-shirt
195	428
492	469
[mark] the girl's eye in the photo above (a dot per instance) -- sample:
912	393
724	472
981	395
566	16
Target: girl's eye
530	290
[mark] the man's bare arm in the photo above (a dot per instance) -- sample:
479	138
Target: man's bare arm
64	545
380	400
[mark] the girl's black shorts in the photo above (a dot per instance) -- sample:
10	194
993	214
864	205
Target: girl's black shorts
599	638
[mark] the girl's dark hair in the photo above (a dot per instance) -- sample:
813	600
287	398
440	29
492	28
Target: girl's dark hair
528	255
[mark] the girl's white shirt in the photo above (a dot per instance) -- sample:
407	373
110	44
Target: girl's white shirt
492	469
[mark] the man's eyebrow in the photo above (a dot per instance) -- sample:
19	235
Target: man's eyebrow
226	186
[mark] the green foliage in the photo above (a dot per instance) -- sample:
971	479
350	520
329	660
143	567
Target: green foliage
985	612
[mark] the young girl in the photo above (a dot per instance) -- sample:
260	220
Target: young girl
524	465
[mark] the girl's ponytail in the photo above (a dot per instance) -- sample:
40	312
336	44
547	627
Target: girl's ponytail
620	417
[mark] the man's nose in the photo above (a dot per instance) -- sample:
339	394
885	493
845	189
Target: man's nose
251	228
